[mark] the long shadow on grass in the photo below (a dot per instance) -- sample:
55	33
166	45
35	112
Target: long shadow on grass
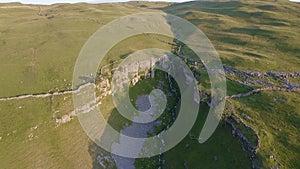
220	151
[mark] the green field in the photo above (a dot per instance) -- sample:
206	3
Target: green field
40	44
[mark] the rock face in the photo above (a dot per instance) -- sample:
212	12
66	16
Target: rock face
65	118
105	161
247	145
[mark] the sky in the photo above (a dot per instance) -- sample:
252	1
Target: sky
47	2
89	1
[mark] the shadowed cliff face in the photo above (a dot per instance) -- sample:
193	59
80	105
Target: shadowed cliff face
256	38
140	100
137	130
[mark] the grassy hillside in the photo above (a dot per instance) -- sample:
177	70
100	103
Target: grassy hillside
276	117
39	46
249	35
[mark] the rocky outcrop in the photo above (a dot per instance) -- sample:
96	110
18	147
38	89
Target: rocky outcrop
65	118
105	161
241	73
262	78
252	148
264	89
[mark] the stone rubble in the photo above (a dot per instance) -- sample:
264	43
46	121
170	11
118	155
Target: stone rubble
105	161
263	78
247	145
31	135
